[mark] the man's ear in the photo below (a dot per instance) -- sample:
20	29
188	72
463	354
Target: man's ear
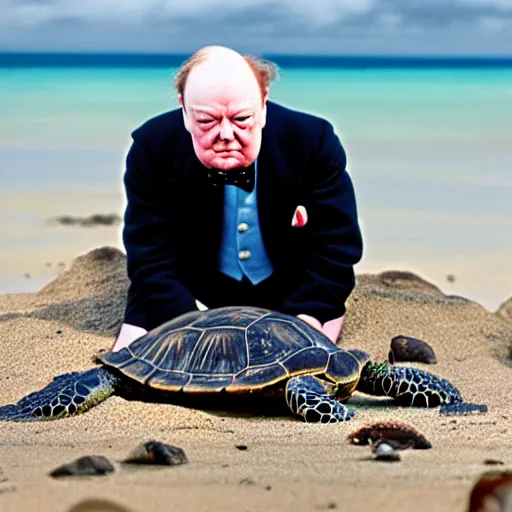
266	92
185	117
264	110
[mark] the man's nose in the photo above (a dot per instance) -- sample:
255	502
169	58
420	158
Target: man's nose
226	130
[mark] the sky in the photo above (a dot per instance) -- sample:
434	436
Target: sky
419	27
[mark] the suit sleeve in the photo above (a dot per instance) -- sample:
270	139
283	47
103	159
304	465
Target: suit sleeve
335	236
156	293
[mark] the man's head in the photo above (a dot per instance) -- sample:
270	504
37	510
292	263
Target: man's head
223	96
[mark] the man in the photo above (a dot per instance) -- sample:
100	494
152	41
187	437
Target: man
235	200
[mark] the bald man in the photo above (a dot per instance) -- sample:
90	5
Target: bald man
236	200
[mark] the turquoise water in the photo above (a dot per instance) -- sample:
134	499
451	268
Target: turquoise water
429	150
63	109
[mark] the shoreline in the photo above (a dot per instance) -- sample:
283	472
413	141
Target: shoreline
32	244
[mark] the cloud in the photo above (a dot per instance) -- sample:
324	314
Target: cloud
131	11
332	26
501	5
495	24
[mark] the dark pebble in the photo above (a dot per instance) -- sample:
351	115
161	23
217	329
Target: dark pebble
241	447
97	505
409	349
493	462
157	453
5	485
84	466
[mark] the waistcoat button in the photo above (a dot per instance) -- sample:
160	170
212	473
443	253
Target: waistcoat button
244	255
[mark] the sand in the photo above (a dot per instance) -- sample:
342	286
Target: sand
288	465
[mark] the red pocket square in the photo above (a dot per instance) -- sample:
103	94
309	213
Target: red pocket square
300	217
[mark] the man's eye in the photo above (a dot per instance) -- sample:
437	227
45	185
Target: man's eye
241	119
205	121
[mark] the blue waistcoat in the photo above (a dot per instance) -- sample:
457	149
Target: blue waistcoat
242	251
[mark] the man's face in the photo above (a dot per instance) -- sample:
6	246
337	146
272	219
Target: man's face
225	114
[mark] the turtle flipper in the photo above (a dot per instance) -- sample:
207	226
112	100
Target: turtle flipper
66	395
463	409
313	399
409	386
414	387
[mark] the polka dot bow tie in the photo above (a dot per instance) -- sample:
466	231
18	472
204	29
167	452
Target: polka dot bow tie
243	178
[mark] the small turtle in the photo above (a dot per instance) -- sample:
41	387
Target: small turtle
238	350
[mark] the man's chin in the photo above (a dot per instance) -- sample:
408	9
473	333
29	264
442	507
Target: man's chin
226	164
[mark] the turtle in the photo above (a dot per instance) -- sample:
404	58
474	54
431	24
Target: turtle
240	351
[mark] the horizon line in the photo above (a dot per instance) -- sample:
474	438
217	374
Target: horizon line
461	56
83	59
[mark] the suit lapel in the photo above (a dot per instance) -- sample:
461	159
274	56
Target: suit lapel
207	206
276	195
198	208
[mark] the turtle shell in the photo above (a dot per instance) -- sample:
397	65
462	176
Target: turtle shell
237	349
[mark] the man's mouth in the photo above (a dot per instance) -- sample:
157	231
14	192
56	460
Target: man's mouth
230	152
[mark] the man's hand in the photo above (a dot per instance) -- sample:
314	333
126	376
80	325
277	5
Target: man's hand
128	334
311	320
331	328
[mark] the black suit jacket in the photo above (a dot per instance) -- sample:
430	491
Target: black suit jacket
173	219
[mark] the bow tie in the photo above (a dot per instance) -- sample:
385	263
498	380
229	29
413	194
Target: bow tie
243	178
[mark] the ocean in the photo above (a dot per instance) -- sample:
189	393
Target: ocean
429	145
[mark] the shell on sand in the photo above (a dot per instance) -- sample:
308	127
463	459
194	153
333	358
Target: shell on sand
403	435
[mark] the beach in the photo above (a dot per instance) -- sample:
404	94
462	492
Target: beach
429	154
428	151
288	464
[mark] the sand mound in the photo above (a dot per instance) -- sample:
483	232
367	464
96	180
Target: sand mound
89	296
399	279
505	310
407	287
382	307
91	274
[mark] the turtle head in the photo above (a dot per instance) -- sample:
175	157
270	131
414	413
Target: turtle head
348	371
